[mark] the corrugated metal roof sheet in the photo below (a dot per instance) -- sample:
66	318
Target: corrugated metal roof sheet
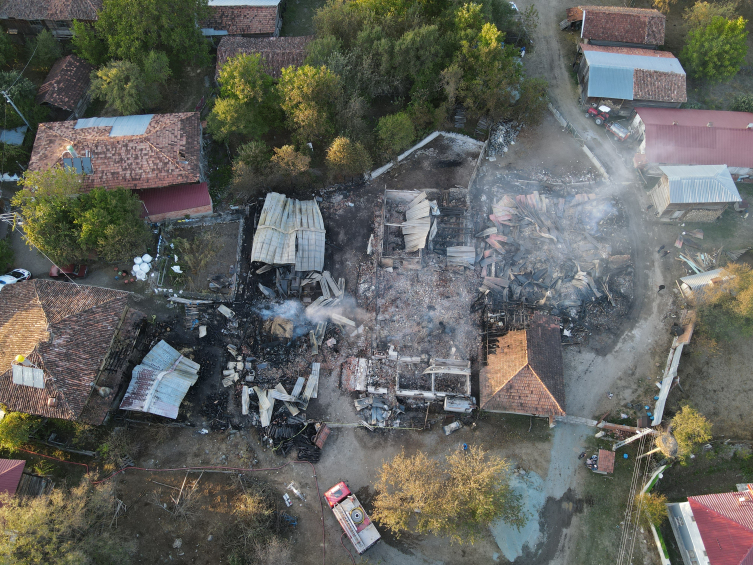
10	474
726	526
691	184
704	279
13	136
175	198
160	382
678	117
610	82
646	62
121	125
285	222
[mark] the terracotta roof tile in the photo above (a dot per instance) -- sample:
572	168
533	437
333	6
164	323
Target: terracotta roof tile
626	50
243	20
526	373
66	83
168	153
51	9
626	25
64	329
658	85
277	52
726	526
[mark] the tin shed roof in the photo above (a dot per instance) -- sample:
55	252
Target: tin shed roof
174	198
691	184
525	375
697	137
725	522
629	74
290	232
704	279
160	382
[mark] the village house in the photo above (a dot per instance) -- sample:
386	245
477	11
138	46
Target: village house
74	343
714	529
617	26
248	18
525	374
29	17
66	88
142	153
693	137
276	52
624	78
693	193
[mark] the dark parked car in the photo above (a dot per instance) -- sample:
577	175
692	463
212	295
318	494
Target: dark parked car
69	272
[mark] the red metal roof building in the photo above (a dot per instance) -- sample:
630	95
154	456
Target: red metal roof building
724	524
11	471
693	137
176	202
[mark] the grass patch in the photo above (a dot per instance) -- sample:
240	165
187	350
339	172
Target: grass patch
606	499
663	544
518	425
298	17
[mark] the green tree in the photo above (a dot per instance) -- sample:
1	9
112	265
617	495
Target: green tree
88	45
246	105
653	508
23	92
64	527
309	97
716	51
133	28
420	52
7	52
457	498
290	162
110	225
701	13
121	84
255	154
45	48
664	5
6	254
742	103
156	71
725	309
531	106
395	133
690	429
346	158
16	428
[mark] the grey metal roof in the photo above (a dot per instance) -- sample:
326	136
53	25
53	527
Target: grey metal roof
13	136
160	382
704	279
610	82
290	232
690	184
121	125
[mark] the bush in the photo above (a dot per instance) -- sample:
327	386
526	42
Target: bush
346	158
16	428
395	133
716	51
47	50
742	103
6	254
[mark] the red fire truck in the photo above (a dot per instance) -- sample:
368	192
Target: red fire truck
352	517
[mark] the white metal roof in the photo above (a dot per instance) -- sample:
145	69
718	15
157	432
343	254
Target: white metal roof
160	383
121	125
702	279
689	184
290	232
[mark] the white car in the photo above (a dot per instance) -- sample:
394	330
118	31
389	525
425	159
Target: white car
14	276
514	6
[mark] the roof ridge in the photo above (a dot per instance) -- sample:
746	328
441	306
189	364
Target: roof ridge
546	388
51	381
715	511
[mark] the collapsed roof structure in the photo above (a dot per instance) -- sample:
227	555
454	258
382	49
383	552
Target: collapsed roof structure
160	382
290	232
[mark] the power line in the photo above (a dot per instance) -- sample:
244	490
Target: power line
24	69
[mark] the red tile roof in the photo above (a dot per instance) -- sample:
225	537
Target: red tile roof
66	330
626	50
605	462
277	52
66	83
167	153
525	375
726	526
11	471
624	25
243	20
175	198
684	137
50	9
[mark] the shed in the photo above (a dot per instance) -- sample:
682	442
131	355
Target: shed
290	232
249	18
525	375
66	87
694	193
176	202
693	137
618	25
624	77
160	382
605	462
694	283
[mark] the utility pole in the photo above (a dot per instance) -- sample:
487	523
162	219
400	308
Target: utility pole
7	97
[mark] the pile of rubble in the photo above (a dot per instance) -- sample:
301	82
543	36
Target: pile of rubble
502	136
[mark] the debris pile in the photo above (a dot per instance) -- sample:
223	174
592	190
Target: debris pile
503	135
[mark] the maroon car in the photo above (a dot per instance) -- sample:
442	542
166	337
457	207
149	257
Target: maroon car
69	272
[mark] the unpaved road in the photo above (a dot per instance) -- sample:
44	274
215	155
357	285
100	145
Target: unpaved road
590	375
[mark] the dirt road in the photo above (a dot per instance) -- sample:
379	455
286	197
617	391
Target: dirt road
592	375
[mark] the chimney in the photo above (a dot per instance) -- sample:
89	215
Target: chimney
52	402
